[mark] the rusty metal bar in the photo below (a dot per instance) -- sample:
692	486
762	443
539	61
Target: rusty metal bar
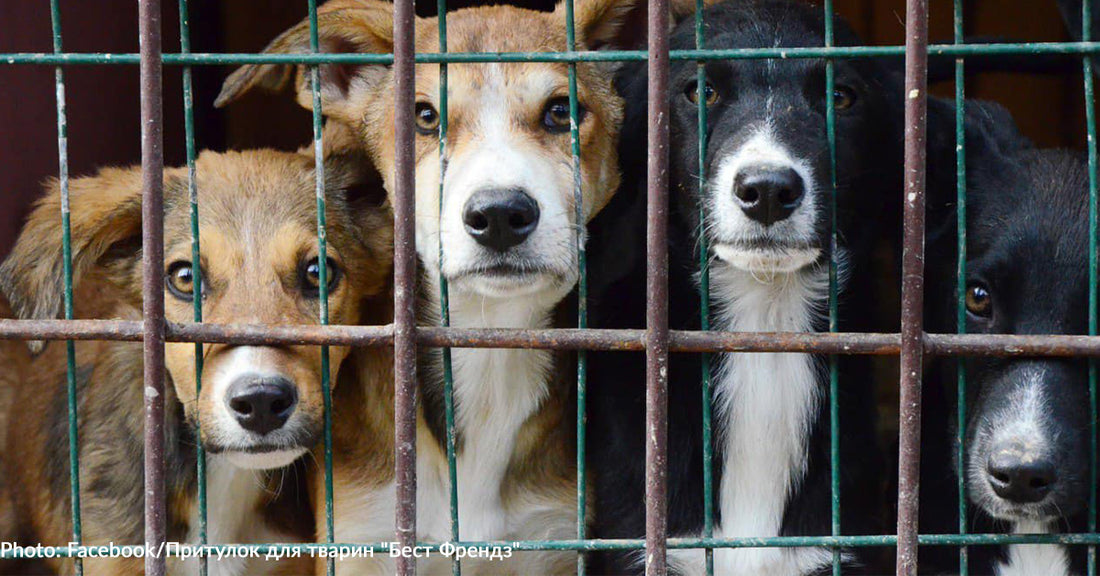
875	344
404	277
656	335
152	245
912	287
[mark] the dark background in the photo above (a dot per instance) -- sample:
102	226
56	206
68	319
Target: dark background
103	100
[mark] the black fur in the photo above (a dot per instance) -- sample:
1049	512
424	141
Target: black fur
1027	243
869	184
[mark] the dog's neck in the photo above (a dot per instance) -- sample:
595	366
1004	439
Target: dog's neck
495	392
767	404
1034	559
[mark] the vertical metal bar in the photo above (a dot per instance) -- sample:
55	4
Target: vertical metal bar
834	300
656	337
404	270
912	287
196	267
704	295
322	264
444	296
582	288
152	245
67	263
1090	120
960	276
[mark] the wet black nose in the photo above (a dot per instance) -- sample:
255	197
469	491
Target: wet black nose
262	404
1021	476
500	219
768	194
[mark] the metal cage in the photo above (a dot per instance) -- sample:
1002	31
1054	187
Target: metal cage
912	343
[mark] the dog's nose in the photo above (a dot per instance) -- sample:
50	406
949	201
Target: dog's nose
768	194
262	404
500	219
1020	475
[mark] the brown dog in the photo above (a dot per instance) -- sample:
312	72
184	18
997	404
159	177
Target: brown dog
510	230
260	407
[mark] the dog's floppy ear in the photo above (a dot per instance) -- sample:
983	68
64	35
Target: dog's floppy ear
105	213
351	177
601	23
343	26
682	9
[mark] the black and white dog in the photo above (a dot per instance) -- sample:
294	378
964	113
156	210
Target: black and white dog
768	213
1027	423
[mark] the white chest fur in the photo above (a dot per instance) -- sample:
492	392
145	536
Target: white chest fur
764	405
495	392
1026	560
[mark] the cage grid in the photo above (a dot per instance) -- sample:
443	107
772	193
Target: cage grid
657	340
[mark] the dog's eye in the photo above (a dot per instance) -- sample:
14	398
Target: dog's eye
709	93
180	280
427	119
978	300
311	276
556	115
843	97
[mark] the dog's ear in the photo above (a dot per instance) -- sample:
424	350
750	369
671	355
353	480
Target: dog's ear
357	183
343	26
683	9
604	23
105	219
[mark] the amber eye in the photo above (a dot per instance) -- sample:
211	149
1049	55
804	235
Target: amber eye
555	117
709	93
978	301
311	276
427	119
180	280
843	97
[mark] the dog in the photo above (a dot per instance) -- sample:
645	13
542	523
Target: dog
509	230
768	216
1026	459
260	407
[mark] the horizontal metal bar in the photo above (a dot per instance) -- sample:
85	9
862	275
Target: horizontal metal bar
855	343
616	544
839	52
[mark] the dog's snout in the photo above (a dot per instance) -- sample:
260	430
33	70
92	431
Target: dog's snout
500	219
1019	474
262	404
768	194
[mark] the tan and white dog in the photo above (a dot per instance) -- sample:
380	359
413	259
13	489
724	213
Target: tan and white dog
260	407
510	235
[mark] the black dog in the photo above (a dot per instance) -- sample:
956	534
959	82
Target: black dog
768	214
1027	423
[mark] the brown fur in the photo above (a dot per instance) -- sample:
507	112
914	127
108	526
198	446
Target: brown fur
358	100
258	222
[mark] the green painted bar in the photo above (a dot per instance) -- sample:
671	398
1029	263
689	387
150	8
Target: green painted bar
1006	49
673	543
582	288
704	297
196	267
322	260
444	298
834	315
960	276
1090	123
67	264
